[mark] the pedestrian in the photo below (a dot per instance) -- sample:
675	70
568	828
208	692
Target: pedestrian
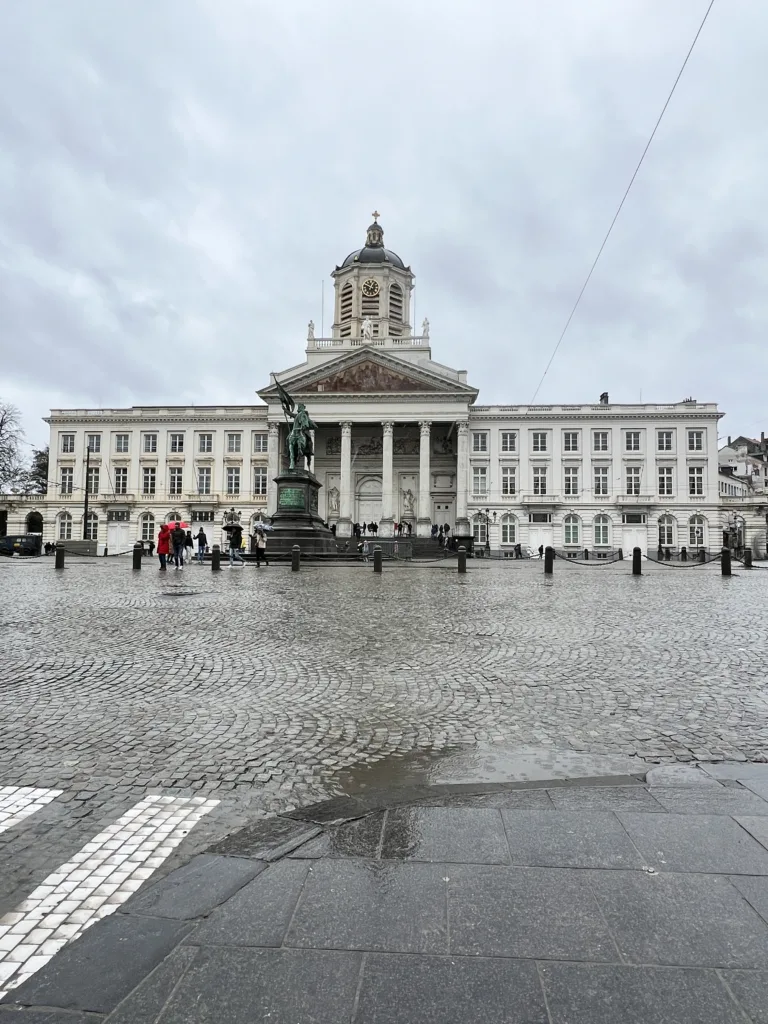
202	544
163	545
541	550
434	531
365	549
365	527
235	533
177	540
261	547
333	529
189	545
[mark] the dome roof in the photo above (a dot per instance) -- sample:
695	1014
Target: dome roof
373	254
373	251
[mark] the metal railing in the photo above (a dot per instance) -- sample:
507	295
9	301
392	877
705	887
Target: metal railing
385	341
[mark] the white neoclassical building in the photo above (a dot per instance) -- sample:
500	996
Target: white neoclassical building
400	438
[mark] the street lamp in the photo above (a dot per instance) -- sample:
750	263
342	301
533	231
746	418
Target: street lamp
737	534
487	517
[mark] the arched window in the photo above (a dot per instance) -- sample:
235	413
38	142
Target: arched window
65	526
34	522
395	310
345	309
601	527
508	529
92	526
479	530
666	530
147	526
696	531
571	525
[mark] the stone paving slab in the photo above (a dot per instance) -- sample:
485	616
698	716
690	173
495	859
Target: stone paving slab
705	800
455	834
696	842
570	839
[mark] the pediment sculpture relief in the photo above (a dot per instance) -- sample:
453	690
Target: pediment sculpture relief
368	377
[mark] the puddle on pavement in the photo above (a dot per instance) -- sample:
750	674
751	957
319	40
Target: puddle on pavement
484	763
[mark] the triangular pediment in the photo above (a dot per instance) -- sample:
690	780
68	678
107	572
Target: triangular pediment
369	373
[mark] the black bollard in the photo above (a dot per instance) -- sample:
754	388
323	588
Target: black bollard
586	554
59	563
138	551
702	555
377	558
549	560
462	559
667	554
295	558
621	554
637	556
747	559
215	558
660	554
683	554
725	562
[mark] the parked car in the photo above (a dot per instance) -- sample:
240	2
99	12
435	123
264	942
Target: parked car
26	544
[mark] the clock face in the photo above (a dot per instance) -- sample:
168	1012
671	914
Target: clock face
370	287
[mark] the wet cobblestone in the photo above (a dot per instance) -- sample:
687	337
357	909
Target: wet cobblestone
258	687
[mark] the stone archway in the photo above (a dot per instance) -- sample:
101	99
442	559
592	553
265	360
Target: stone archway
34	522
368	500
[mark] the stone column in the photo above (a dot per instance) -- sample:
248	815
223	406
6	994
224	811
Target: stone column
273	466
387	481
462	478
424	521
344	526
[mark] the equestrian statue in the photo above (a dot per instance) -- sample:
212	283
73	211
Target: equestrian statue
299	438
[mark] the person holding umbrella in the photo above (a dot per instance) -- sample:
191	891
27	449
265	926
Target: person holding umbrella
235	533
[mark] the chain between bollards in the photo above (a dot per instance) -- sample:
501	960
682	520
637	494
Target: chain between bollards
377	558
215	558
59	563
138	554
549	560
462	559
637	555
295	558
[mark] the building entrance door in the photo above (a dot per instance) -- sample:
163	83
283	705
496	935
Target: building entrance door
443	512
368	503
118	538
538	535
634	537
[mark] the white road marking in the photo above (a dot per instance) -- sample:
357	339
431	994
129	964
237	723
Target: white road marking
18	802
94	883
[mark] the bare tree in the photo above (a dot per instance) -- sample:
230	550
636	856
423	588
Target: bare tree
11	437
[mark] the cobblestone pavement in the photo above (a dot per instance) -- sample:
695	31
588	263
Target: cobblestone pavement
258	687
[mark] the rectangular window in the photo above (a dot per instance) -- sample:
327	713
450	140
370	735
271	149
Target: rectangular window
93	442
695	480
508	475
147	527
260	443
204	480
480	531
479	481
570	441
571	531
601	480
508	534
601	530
540	479
479	441
600	441
67	477
664	443
67	443
93	480
177	442
121	443
571	480
665	480
205	444
633	479
174	481
259	481
65	527
92	527
696	533
630	518
203	515
121	480
233	480
234	442
539	442
632	441
148	480
150	443
508	441
695	440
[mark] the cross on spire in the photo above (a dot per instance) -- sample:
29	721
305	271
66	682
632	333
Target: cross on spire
375	215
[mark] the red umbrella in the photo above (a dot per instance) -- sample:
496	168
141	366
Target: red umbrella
184	526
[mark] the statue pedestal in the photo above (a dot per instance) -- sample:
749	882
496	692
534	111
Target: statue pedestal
296	520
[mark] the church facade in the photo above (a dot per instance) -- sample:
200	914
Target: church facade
400	438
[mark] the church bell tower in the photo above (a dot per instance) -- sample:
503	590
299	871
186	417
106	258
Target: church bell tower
372	291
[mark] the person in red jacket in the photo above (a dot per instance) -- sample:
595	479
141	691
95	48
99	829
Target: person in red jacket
163	545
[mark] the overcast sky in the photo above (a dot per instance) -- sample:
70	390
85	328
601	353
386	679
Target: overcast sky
178	177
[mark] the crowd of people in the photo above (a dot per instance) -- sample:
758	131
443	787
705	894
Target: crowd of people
177	546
